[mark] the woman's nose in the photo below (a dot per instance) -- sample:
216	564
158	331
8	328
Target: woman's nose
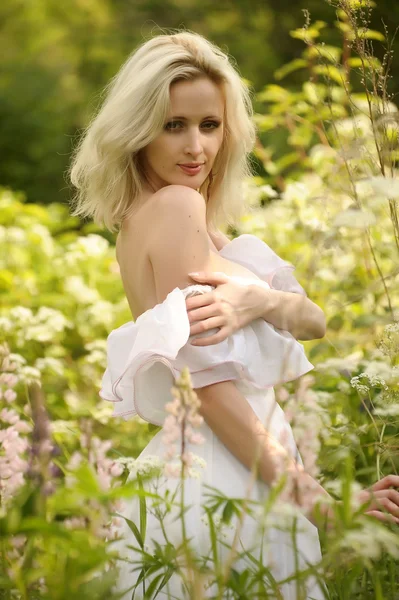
193	142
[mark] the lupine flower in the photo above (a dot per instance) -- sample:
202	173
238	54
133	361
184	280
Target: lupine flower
9	395
179	427
14	447
304	414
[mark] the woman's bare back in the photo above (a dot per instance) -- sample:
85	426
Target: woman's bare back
132	254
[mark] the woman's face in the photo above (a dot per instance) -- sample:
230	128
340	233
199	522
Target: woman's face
193	133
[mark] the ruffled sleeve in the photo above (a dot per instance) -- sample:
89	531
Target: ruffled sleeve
254	254
145	357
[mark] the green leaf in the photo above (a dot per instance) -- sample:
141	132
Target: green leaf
133	528
143	509
289	159
165	579
301	136
332	111
308	33
355	5
267	122
335	323
331	72
212	533
274	93
294	65
140	578
314	92
86	480
331	53
370	34
370	62
227	512
366	320
151	588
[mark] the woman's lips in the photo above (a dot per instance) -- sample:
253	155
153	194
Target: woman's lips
191	170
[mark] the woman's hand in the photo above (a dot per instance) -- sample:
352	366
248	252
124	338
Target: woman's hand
382	497
230	307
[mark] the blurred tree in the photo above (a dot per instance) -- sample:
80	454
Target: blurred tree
54	58
57	58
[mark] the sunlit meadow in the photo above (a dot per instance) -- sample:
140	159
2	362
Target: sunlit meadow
330	206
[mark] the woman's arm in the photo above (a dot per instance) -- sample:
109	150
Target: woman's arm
292	312
289	311
227	412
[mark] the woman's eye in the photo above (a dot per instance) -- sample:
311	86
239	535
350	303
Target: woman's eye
213	123
174	125
171	125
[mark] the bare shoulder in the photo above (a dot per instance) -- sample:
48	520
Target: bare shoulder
177	237
176	210
179	197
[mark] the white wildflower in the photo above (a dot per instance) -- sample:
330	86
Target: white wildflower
363	382
6	324
30	375
101	312
347	363
51	364
387	186
93	245
379	369
222	529
146	465
352	128
38	233
21	315
282	515
392	410
354	219
15	235
383	541
296	191
77	288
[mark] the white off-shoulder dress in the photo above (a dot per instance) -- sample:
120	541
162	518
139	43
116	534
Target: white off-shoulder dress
143	359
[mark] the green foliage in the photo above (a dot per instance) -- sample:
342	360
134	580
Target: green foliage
60	296
57	58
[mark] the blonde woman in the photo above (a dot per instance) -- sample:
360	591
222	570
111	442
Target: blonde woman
163	162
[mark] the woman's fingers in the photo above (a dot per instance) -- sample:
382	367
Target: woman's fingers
382	499
387	504
390	493
386	482
204	312
382	516
211	323
208	340
370	495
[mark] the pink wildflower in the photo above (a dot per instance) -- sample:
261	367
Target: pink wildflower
116	470
9	395
178	425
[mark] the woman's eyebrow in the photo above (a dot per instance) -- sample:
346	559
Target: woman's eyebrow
208	117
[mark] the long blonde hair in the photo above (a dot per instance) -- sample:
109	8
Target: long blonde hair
105	165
